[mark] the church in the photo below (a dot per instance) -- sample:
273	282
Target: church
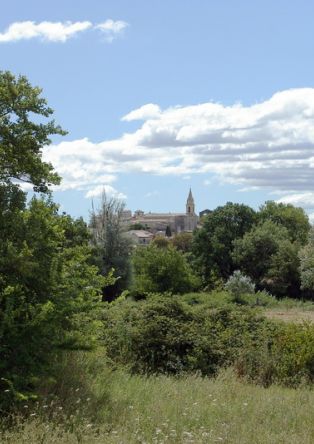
177	222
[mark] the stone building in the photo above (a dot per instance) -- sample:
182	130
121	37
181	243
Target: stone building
140	237
177	222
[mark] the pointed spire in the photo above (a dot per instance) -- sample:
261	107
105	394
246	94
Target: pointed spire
190	206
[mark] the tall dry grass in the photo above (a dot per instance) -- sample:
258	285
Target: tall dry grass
95	404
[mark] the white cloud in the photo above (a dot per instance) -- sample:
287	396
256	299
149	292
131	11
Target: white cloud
267	145
52	31
108	189
58	31
145	112
305	200
112	29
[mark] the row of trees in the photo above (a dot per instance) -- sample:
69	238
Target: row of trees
266	245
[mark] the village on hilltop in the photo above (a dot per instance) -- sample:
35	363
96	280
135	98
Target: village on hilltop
145	226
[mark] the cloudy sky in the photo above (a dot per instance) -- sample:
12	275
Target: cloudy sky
160	96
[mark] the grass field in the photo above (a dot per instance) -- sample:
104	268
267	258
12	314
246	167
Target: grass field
286	309
93	402
119	408
290	315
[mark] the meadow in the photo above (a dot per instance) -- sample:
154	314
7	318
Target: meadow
92	399
112	406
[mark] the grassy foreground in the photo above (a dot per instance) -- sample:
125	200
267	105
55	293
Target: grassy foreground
105	406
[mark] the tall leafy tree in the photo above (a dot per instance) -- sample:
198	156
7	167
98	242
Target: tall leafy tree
49	291
306	256
268	256
162	269
294	219
24	132
213	243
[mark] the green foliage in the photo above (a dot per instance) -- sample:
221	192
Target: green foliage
239	285
263	245
284	355
183	242
162	269
292	218
49	291
268	256
162	334
137	226
213	299
160	242
213	243
306	256
168	231
21	136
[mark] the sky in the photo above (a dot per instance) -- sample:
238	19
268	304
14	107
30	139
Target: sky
160	96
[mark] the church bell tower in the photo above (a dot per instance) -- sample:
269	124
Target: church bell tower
190	206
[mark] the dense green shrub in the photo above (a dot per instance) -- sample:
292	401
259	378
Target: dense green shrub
284	355
164	334
162	269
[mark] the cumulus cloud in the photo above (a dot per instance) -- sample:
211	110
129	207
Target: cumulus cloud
112	29
145	112
268	145
52	31
58	31
108	189
305	200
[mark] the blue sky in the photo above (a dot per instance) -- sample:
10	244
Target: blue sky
158	96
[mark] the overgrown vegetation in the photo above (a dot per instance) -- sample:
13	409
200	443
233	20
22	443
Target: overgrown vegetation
151	339
111	406
162	334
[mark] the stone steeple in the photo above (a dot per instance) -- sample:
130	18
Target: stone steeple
190	206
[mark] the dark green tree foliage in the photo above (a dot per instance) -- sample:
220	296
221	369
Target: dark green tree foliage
21	138
306	255
183	242
213	243
160	242
294	219
267	255
168	231
138	226
49	292
113	245
162	269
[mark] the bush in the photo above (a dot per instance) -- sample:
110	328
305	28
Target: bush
238	284
163	334
283	355
162	269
